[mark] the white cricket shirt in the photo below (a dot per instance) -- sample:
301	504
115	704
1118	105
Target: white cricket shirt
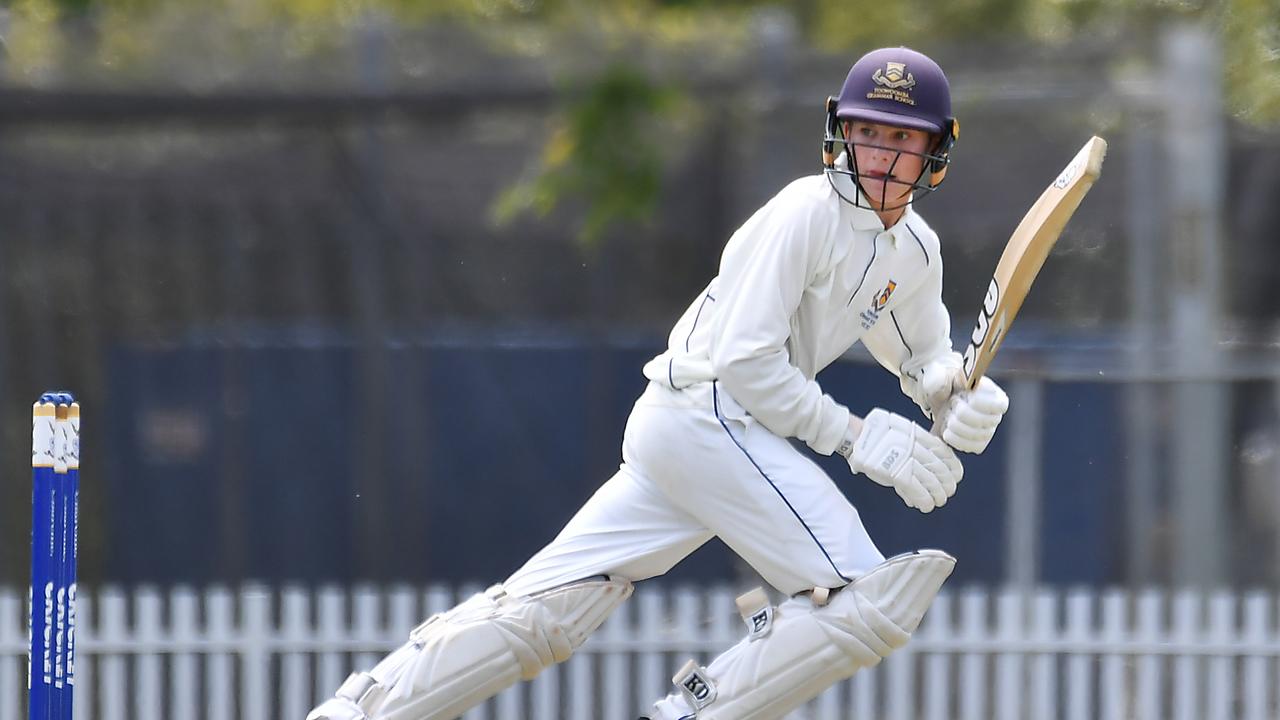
806	277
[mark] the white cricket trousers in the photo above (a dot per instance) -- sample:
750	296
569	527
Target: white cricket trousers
696	465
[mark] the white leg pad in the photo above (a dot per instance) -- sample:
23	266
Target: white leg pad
460	658
810	648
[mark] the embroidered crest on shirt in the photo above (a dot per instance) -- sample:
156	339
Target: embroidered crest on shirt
872	315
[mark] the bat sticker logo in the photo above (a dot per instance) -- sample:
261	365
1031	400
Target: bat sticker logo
982	328
1068	174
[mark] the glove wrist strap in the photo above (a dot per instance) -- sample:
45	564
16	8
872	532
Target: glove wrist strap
845	448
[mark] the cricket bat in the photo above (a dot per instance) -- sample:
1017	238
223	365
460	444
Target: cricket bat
1025	254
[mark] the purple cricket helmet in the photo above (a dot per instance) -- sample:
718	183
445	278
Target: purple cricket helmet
897	86
900	87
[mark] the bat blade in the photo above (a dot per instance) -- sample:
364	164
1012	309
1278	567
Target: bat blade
1028	247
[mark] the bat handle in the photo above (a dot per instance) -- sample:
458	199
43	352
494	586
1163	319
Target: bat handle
938	426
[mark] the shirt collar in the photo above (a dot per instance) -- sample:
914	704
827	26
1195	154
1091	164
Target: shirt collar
861	216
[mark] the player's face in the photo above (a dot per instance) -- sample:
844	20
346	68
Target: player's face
889	159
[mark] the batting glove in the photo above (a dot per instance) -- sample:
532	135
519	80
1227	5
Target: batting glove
970	418
897	453
932	386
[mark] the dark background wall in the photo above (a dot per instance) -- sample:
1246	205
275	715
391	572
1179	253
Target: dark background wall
305	352
491	445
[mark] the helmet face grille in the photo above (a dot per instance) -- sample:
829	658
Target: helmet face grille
855	193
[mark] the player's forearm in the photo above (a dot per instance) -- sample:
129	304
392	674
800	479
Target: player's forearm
779	397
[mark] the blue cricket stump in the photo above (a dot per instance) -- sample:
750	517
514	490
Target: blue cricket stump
55	470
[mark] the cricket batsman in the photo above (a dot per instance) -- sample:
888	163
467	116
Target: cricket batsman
831	260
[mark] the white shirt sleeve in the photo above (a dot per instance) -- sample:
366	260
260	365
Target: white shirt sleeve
763	275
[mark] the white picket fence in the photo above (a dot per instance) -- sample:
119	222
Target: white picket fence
260	655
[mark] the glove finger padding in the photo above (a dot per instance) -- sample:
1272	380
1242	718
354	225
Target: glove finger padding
914	497
972	442
969	416
897	453
988	398
927	479
944	465
972	417
941	466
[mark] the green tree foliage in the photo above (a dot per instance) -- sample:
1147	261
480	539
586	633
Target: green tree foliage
1251	30
602	151
629	42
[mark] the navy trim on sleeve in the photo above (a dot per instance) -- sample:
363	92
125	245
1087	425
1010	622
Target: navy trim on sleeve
918	242
696	317
903	338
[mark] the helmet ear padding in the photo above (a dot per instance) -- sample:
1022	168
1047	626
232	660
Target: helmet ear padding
937	165
832	134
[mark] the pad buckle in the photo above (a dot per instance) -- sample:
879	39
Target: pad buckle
362	689
418	635
355	686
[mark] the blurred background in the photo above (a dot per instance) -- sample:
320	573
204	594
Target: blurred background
358	291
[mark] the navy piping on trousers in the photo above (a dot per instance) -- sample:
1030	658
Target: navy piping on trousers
715	396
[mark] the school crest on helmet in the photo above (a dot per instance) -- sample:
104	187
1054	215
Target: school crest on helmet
894	75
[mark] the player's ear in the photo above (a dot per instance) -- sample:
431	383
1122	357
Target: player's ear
942	155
